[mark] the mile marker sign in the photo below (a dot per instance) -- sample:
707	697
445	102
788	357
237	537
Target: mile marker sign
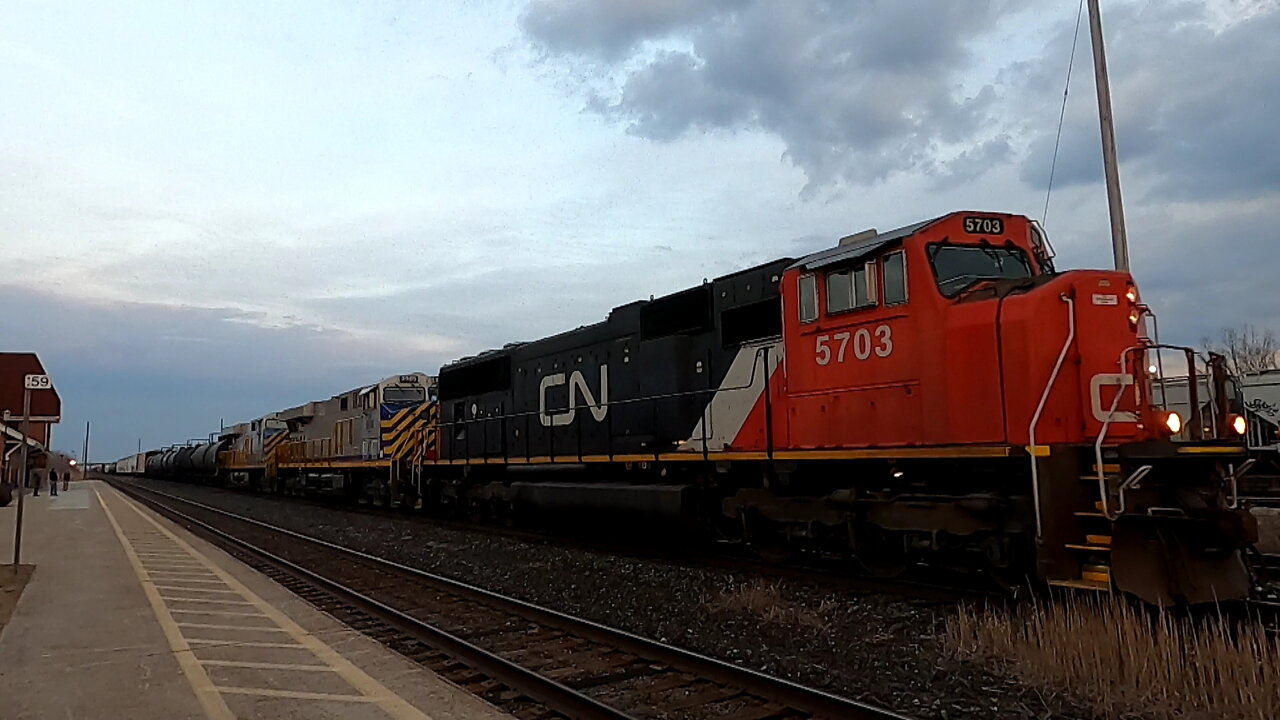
38	382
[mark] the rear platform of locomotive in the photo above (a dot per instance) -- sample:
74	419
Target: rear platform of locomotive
934	394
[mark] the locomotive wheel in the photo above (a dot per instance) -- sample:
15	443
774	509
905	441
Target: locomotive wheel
877	555
766	539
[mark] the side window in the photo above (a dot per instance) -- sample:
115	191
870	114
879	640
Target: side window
808	298
839	292
851	289
895	278
864	286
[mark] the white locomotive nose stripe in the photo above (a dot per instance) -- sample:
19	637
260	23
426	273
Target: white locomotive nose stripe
732	402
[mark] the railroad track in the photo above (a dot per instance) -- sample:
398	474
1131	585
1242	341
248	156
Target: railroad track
531	661
940	587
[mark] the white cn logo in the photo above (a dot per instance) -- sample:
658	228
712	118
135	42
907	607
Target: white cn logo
577	386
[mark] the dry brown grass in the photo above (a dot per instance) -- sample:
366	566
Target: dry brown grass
1127	663
766	601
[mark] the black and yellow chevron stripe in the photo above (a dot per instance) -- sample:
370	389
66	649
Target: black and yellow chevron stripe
270	444
402	433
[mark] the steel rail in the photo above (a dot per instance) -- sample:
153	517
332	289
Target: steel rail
794	695
559	697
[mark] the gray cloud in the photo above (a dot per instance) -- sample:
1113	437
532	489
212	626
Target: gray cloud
610	30
857	92
169	373
1194	103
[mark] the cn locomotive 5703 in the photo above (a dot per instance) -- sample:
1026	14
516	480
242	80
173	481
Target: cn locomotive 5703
936	394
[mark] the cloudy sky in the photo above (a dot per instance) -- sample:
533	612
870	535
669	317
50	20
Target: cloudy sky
213	210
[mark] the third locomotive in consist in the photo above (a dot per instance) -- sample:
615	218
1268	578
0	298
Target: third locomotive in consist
938	394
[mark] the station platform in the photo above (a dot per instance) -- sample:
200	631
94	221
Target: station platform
129	616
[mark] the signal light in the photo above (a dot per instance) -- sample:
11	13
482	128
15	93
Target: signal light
1239	424
1131	294
1172	422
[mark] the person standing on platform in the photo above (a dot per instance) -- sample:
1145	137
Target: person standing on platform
35	483
53	483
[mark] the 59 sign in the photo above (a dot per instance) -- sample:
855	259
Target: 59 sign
37	382
836	346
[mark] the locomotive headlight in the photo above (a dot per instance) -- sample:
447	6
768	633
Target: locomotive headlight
1239	424
1172	422
1134	316
1131	294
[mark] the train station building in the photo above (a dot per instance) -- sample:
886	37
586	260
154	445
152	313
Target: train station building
46	411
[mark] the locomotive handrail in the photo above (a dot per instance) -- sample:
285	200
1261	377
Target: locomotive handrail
1097	450
1195	422
1106	425
1044	399
1131	483
1235	473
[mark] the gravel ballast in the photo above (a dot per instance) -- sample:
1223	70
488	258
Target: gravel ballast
877	648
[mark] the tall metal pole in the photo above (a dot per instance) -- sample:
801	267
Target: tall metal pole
22	476
84	468
1119	239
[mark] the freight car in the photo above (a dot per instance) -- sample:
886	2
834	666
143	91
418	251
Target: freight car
937	394
135	464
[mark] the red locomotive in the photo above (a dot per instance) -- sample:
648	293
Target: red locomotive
949	391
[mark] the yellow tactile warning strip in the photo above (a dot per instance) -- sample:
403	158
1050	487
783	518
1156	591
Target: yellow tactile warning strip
202	608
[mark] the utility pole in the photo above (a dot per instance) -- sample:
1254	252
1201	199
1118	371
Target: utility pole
29	383
22	475
1119	239
84	470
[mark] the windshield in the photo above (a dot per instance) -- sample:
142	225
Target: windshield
959	266
402	394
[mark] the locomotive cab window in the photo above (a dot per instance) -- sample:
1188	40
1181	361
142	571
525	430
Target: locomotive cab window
808	298
895	278
959	267
851	289
401	394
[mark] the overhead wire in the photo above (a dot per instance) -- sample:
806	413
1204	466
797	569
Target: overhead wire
1062	116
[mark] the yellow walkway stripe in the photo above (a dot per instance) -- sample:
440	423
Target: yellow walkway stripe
204	600
248	644
255	628
215	708
266	665
190	580
220	613
296	694
370	689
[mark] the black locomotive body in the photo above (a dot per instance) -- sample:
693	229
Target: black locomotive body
636	384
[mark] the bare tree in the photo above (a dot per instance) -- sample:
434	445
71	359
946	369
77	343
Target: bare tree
1247	349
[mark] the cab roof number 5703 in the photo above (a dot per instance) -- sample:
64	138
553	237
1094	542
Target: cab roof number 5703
984	226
